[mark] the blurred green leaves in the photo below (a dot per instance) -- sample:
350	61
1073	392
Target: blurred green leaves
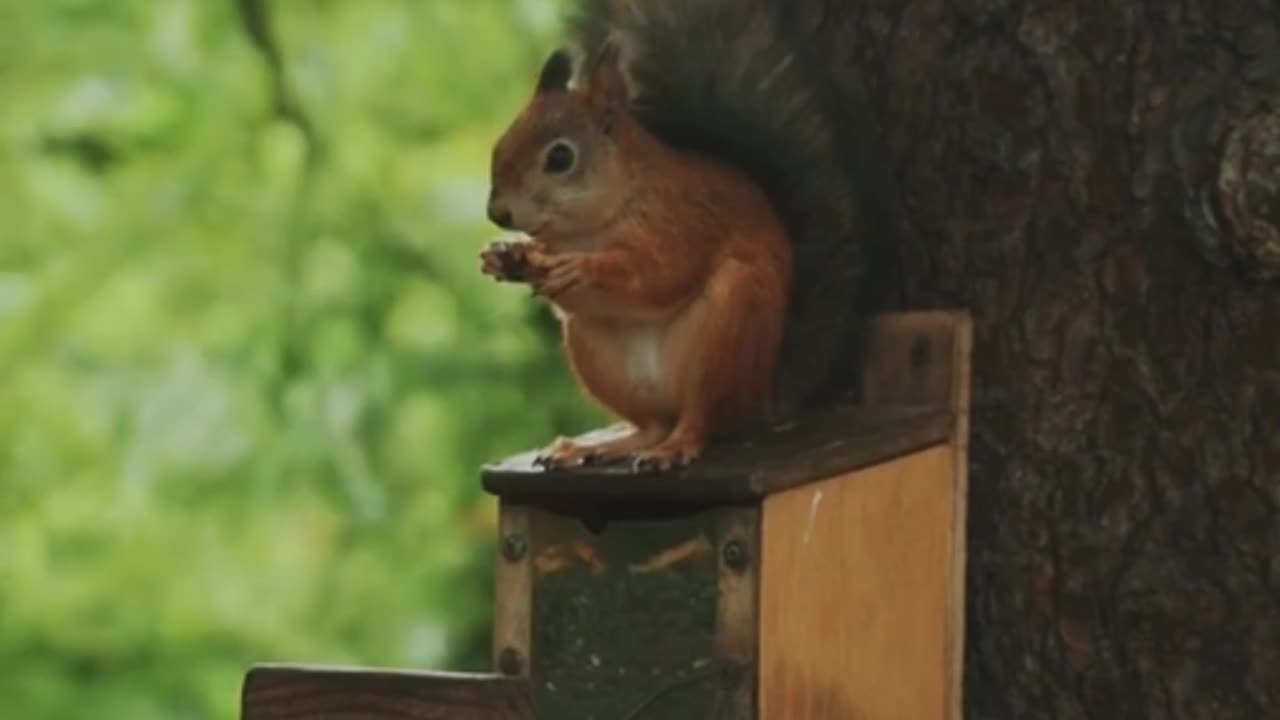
243	398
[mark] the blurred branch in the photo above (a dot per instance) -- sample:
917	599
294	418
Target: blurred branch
95	153
255	17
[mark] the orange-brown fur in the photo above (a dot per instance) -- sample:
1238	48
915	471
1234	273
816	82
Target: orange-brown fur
670	274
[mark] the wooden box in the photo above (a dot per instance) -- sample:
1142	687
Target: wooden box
815	572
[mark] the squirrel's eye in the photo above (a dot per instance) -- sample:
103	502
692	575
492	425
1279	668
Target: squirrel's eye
559	158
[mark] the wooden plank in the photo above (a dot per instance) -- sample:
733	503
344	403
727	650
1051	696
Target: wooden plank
916	358
856	594
737	639
513	600
926	357
743	470
298	692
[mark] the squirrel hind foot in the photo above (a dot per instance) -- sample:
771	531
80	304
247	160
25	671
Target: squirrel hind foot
567	453
676	452
561	454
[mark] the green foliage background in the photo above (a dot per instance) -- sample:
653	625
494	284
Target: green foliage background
246	378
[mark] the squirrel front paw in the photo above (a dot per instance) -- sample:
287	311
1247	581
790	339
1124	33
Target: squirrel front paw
557	274
508	261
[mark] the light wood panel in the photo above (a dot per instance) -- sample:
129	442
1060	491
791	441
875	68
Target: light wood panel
858	595
927	357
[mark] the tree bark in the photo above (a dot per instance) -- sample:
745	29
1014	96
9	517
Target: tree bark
1097	181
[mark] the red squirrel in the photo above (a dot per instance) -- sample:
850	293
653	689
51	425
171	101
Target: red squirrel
668	261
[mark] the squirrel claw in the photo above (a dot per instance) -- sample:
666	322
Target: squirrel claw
551	462
663	459
550	458
648	464
643	465
563	454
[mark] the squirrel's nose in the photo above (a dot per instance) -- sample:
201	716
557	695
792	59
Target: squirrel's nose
500	215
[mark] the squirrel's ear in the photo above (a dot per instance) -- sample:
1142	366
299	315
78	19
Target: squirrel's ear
608	85
556	73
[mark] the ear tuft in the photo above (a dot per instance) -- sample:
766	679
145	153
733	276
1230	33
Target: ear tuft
556	73
609	66
608	86
609	54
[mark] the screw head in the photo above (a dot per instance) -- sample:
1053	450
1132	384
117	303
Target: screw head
510	662
735	555
514	547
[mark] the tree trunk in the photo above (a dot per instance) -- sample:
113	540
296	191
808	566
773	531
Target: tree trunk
1097	180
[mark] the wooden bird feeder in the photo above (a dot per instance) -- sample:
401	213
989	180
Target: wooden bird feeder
815	572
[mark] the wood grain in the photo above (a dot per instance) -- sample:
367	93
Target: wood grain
857	595
296	692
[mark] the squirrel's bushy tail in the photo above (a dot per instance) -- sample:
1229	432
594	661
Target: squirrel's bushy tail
737	80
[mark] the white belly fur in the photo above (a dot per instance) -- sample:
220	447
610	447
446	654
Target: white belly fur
642	351
641	354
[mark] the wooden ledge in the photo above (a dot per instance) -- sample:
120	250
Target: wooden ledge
277	692
836	441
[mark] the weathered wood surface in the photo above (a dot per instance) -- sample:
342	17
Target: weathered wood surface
824	444
857	595
1072	172
296	692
